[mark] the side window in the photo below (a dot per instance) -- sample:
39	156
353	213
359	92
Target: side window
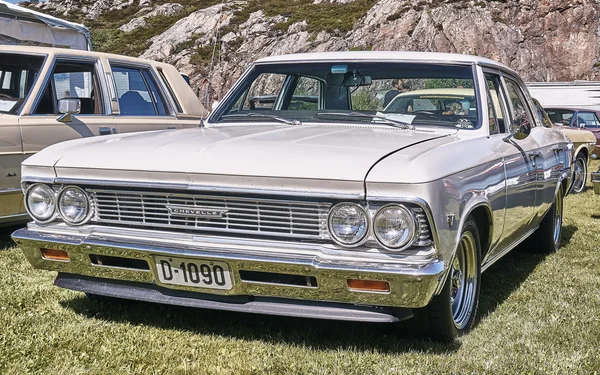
496	104
137	92
306	95
72	81
587	120
521	115
170	90
263	93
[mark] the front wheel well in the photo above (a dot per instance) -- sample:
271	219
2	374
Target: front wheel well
483	219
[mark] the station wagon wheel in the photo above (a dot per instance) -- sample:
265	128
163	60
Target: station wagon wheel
452	313
579	174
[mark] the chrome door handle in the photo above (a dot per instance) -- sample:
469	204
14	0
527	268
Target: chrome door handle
106	130
533	156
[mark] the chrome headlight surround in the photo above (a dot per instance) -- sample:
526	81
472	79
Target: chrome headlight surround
411	230
359	240
85	204
50	195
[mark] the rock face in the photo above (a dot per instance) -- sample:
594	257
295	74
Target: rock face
160	11
543	40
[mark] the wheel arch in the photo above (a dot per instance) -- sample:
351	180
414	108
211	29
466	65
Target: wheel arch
481	211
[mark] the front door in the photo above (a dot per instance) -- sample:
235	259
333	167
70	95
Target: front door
70	79
10	165
521	160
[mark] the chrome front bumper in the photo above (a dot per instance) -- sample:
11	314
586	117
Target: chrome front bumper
413	278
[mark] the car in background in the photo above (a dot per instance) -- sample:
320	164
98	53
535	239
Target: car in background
50	95
577	118
584	143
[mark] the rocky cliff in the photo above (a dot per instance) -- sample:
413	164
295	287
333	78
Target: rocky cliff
213	41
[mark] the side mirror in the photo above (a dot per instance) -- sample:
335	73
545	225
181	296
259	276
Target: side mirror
68	107
519	129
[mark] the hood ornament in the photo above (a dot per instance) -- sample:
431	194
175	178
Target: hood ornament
196	211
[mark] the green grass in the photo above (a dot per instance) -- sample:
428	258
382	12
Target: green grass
538	315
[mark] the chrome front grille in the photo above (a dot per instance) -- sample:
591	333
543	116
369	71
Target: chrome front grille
209	213
424	238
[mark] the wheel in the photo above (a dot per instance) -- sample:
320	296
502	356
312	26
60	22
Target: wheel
579	174
546	239
452	312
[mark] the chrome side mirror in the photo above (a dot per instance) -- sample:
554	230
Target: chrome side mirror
518	130
68	107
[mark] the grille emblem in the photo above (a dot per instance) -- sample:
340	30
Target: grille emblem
196	211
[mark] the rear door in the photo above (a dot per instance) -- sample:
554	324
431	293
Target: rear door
142	102
79	78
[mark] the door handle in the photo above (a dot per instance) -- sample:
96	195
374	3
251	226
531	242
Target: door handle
106	130
11	175
533	156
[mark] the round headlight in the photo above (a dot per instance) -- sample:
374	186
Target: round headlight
73	205
40	202
348	223
394	226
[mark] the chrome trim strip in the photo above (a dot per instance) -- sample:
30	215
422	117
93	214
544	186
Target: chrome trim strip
10	191
213	189
12	219
507	250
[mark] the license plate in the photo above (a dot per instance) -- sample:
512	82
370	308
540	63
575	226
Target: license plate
197	272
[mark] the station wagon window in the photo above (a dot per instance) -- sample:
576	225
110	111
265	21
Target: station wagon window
587	120
138	94
71	80
170	90
519	106
17	76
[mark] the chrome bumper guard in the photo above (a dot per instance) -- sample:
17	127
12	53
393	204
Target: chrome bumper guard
413	278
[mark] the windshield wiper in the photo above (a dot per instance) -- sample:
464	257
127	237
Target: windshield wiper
265	115
384	119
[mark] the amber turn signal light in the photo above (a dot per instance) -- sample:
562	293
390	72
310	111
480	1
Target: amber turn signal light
369	285
53	254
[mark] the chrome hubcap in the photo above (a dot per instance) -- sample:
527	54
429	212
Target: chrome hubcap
464	281
579	175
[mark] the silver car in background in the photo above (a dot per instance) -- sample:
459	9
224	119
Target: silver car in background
303	196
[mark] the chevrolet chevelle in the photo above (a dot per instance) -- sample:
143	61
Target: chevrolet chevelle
336	207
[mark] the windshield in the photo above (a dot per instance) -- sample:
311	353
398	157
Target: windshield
560	116
417	94
17	76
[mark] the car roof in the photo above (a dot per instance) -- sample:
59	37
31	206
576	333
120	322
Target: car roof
71	52
571	109
407	56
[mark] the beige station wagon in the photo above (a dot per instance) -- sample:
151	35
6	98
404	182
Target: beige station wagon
50	95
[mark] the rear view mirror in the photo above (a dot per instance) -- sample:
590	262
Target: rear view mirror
355	79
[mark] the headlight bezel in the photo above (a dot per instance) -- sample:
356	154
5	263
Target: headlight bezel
414	233
88	201
28	192
365	236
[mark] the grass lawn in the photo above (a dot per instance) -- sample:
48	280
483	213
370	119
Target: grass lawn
538	315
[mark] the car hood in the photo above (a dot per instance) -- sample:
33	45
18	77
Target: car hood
342	153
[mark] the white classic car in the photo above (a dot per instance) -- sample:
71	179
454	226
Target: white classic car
331	208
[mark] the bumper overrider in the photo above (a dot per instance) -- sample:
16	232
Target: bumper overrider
122	263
